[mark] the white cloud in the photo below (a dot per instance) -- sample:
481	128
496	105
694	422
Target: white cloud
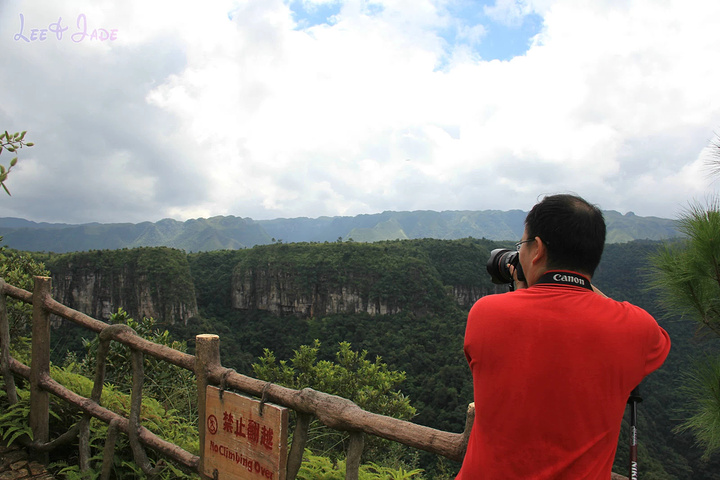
234	108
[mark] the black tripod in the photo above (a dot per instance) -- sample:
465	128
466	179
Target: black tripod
633	401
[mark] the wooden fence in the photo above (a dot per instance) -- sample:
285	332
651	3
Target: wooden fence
335	412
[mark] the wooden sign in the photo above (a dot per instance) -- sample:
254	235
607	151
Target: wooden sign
242	443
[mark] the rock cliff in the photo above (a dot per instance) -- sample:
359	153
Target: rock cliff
150	282
378	279
274	289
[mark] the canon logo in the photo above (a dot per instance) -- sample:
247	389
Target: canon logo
559	277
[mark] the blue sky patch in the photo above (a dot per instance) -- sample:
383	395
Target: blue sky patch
504	42
471	26
499	40
309	15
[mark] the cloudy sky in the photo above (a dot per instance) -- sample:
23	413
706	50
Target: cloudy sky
148	109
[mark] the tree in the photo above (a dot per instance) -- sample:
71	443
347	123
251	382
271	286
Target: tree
714	156
371	385
687	273
18	269
12	143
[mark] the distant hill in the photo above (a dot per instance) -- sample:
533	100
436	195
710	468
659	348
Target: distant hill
229	232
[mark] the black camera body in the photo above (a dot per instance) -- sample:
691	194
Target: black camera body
498	266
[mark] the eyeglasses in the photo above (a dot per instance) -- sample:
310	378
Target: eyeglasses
517	245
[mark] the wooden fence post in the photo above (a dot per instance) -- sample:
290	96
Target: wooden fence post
40	367
297	449
207	358
5	348
354	452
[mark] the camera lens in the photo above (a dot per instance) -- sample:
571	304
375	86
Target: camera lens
498	266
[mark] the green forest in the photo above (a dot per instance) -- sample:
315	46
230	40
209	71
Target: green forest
420	349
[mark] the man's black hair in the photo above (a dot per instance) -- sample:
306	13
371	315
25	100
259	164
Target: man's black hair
572	229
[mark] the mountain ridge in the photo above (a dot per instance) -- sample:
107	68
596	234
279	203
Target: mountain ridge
231	232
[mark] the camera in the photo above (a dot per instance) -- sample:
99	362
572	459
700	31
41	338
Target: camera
498	266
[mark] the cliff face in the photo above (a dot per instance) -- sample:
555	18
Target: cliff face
320	279
150	282
275	290
302	279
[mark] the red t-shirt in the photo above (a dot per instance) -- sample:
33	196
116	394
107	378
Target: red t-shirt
553	367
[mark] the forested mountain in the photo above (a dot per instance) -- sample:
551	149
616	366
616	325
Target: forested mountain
149	281
229	232
423	335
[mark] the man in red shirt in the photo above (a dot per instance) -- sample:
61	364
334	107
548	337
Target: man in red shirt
554	361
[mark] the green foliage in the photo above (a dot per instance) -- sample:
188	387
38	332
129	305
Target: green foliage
702	390
168	424
63	469
18	269
687	274
13	420
172	386
369	384
323	468
212	279
168	406
460	262
11	142
427	348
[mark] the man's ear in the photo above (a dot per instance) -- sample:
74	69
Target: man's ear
540	252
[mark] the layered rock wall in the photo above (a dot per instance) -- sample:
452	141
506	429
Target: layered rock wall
277	291
320	279
144	282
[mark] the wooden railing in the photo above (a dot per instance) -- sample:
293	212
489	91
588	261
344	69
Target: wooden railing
335	412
